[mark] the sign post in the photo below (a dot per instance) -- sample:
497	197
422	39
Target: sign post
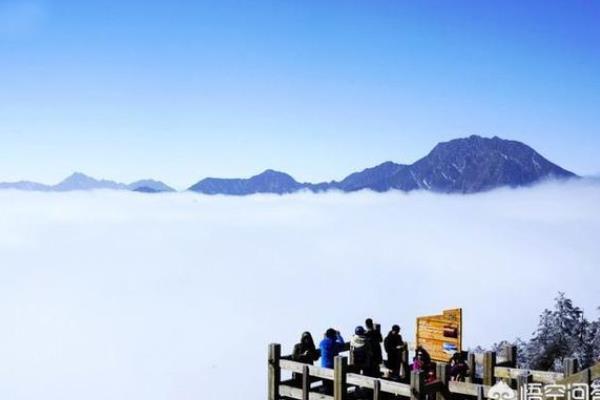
441	335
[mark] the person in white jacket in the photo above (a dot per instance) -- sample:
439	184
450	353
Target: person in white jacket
361	351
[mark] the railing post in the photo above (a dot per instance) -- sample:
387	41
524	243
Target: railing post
510	352
274	371
340	369
587	379
404	366
378	368
480	392
417	385
443	375
571	366
522	381
305	383
377	390
472	368
489	366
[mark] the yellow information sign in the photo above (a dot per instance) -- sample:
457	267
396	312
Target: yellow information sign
441	335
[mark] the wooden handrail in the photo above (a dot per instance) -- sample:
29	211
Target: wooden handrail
297	367
386	386
537	376
471	389
368	382
479	359
296	393
468	389
417	390
586	376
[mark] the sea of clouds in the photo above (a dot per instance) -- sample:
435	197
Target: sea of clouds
118	295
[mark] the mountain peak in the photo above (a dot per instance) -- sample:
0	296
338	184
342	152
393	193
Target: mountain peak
77	175
81	181
268	181
272	173
77	178
476	164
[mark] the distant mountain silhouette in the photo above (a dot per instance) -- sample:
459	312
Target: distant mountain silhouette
378	178
267	182
468	165
25	185
150	184
145	189
79	181
478	164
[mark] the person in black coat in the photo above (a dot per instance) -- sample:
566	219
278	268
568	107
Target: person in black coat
394	346
374	337
304	352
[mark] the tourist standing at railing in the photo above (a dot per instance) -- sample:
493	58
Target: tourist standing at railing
459	369
331	346
361	351
304	352
422	362
374	337
394	346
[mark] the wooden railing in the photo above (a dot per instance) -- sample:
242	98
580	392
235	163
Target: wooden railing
345	382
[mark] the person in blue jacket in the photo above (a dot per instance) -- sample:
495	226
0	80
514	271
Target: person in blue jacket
331	346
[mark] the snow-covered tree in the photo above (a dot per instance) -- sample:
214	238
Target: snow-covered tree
588	351
561	332
522	360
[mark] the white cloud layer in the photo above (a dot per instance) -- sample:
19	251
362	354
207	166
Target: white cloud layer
112	295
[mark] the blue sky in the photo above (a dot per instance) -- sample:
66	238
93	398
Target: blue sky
180	90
